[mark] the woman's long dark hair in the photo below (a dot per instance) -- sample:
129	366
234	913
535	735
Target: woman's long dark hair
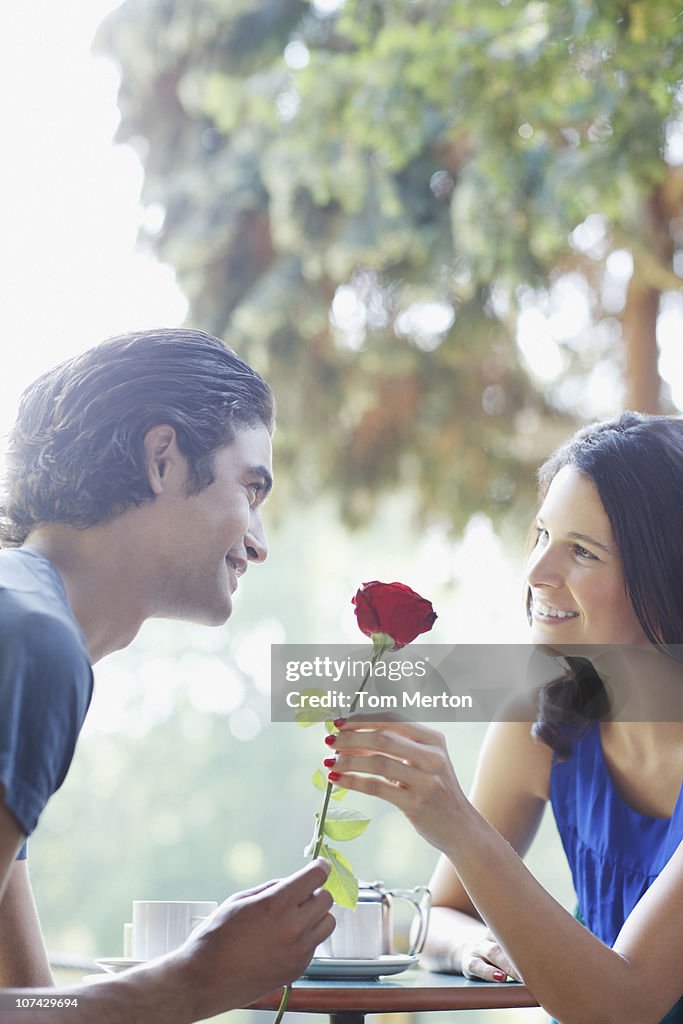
636	464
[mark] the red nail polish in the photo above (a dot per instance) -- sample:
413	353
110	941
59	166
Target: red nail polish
338	722
497	975
333	776
330	762
330	740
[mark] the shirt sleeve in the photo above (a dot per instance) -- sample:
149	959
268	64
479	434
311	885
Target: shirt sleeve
45	691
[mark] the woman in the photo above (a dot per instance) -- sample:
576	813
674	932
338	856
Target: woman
607	570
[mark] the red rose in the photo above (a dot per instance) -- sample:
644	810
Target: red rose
394	609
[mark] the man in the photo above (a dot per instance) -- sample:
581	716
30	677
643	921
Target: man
136	474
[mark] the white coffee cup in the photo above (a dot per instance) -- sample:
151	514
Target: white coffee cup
359	934
160	926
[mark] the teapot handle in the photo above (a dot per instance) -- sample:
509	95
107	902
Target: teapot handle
421	899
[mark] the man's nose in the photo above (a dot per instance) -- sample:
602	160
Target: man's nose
255	540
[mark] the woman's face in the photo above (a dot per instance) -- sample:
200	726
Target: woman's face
574	572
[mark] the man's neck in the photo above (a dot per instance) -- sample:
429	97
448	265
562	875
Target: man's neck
104	578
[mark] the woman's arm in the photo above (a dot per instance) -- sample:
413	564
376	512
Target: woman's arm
573	975
512	801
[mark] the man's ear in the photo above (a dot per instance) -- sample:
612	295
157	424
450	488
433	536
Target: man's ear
163	456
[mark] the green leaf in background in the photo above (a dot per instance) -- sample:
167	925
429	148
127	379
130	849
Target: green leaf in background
477	161
341	882
319	780
342	824
311	716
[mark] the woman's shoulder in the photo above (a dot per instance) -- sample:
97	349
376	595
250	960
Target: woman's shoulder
517	755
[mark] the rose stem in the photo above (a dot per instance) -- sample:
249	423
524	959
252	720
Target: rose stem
283	1004
376	655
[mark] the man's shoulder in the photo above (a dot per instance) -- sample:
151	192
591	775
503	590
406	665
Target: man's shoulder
44	628
21	569
34	615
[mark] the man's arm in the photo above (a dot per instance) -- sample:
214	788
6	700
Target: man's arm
255	942
11	838
23	957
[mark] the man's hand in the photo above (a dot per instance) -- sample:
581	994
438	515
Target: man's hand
256	941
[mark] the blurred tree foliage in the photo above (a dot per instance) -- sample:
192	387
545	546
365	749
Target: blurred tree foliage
362	197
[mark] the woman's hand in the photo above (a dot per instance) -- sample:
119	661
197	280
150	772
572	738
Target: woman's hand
458	943
486	959
404	763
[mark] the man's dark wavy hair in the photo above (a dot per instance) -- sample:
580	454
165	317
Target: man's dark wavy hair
636	464
76	453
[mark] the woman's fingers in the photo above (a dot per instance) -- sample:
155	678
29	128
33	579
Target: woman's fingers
390	768
403	763
413	760
393	792
423	749
482	970
396	723
488	960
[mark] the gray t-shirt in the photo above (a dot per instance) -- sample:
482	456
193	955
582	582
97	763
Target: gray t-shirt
45	684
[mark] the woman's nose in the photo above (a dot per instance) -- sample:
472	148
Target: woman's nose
544	567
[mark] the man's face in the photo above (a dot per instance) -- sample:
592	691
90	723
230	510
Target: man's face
211	537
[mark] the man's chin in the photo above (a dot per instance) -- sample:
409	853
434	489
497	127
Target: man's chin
215	615
218	616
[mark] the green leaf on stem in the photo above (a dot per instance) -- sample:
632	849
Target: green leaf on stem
310	847
341	882
307	715
342	824
319	780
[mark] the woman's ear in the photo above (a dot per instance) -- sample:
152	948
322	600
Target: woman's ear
165	461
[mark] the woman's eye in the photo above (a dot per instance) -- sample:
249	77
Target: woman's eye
541	532
583	553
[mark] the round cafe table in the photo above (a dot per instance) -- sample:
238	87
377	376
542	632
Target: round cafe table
348	1001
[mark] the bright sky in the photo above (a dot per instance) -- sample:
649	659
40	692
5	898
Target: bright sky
71	211
70	201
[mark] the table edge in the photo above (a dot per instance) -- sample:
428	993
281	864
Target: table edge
485	996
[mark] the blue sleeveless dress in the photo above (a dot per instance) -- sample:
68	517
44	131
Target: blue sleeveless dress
614	852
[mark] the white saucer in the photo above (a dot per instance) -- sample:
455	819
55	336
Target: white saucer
115	964
339	967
